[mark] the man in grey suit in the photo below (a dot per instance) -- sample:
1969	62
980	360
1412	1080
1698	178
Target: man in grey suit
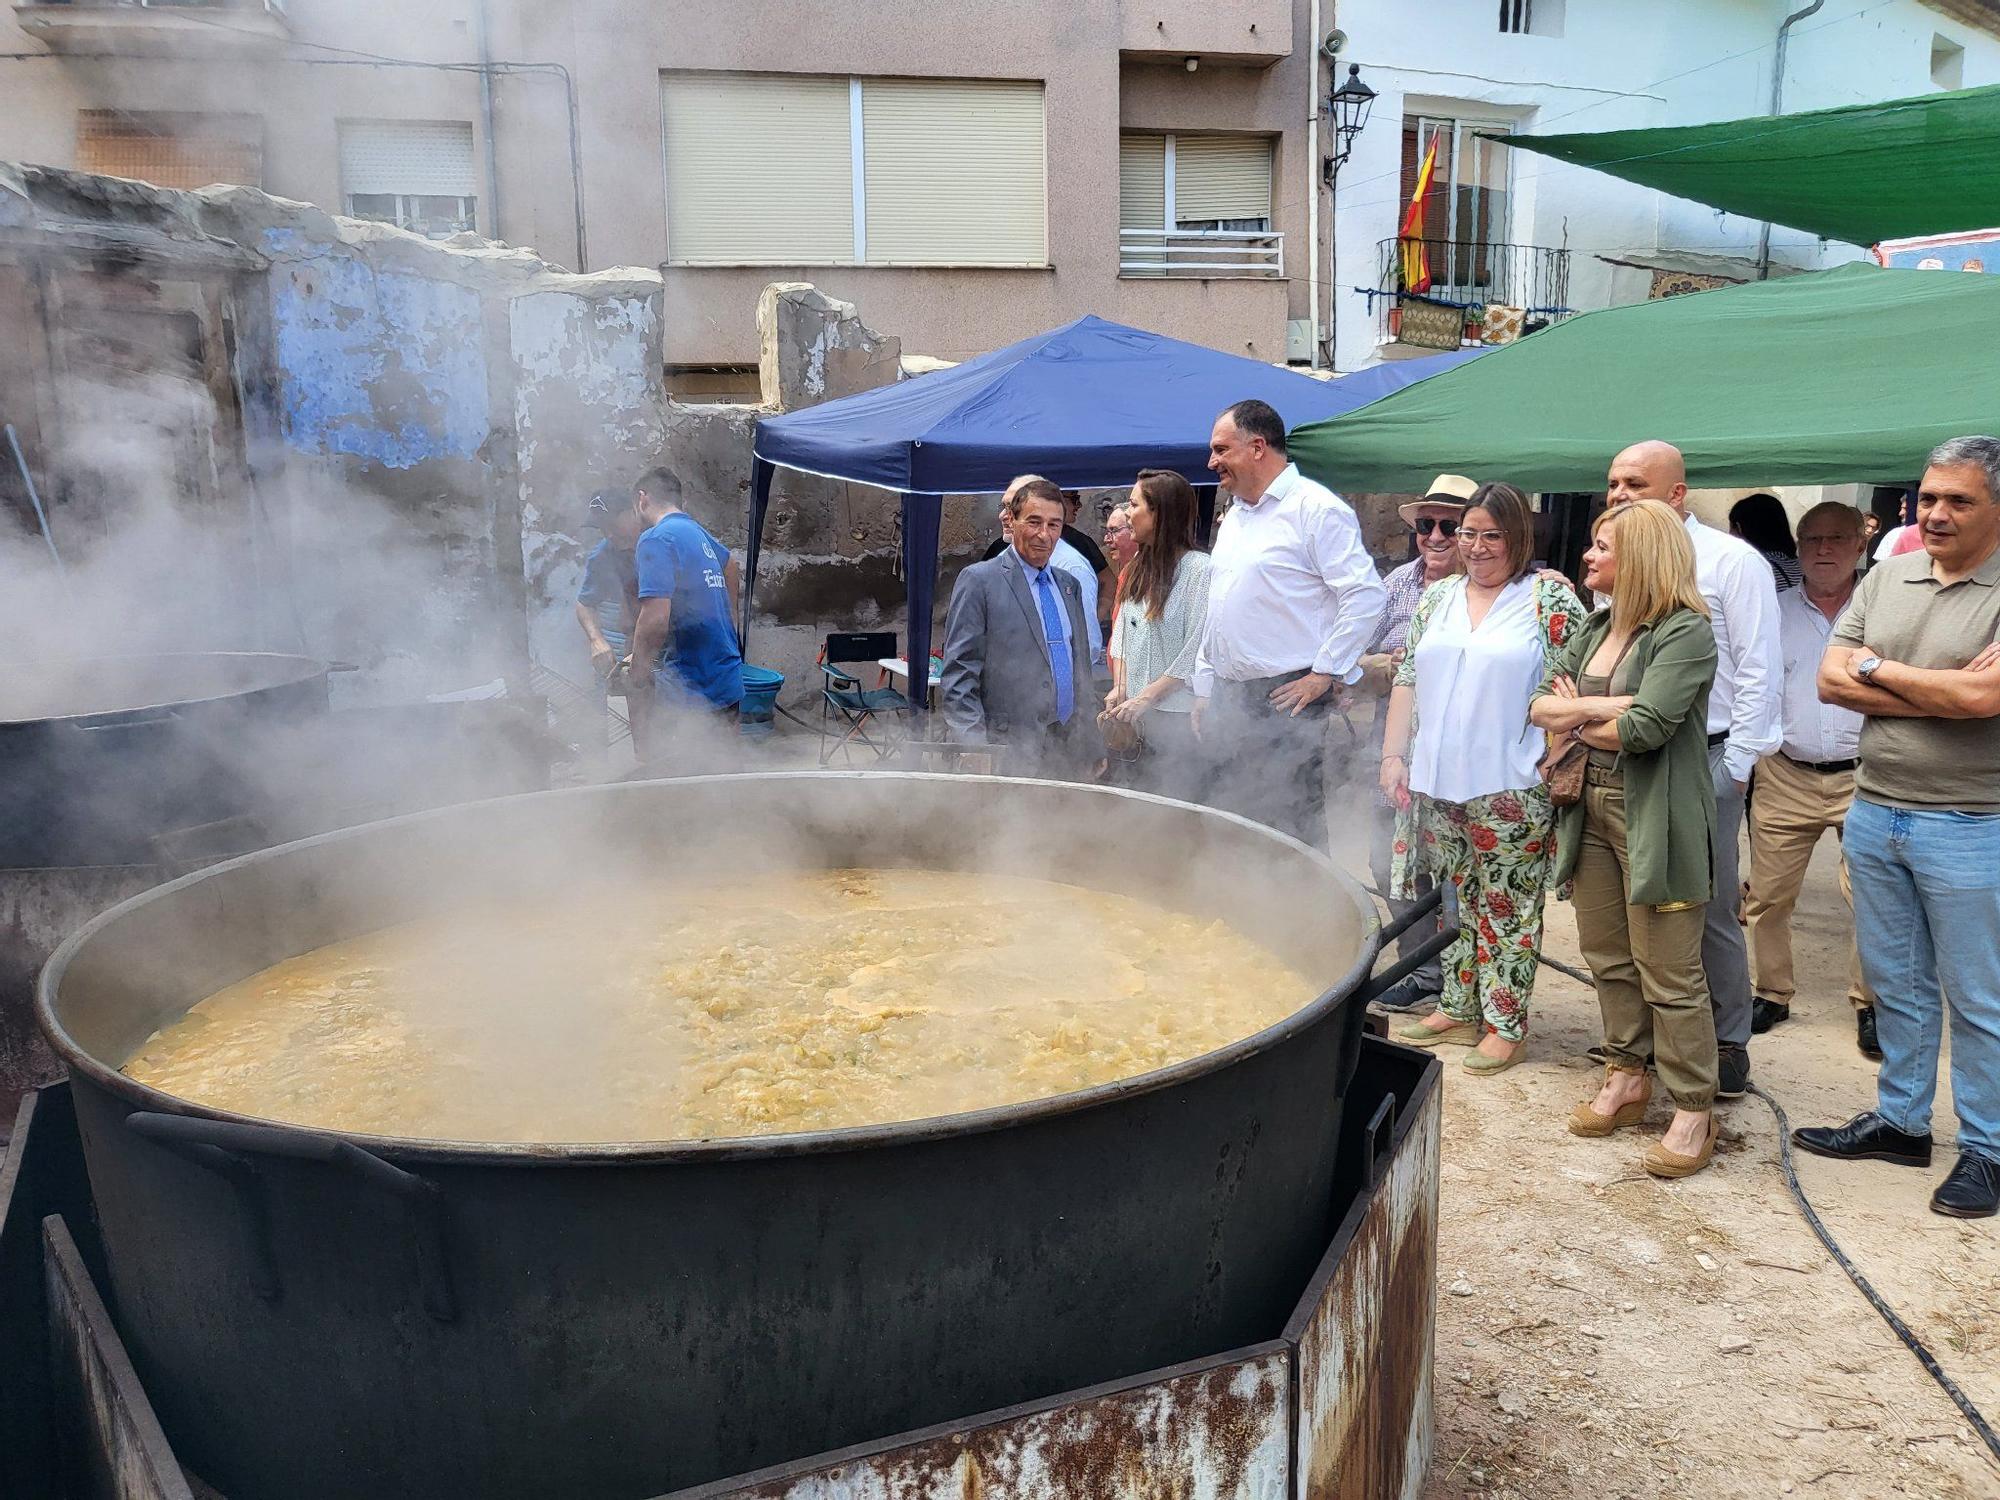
1017	652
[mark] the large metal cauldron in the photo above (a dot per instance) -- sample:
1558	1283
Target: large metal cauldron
343	1316
98	759
97	756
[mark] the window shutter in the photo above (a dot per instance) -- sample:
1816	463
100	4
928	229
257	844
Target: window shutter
1221	177
759	170
1142	182
171	150
407	156
954	172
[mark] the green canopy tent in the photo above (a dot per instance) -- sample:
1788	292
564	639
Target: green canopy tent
1863	173
1831	377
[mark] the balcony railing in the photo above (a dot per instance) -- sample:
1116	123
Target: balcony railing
1201	252
1470	277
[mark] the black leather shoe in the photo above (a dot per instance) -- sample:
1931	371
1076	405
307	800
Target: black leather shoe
1764	1014
1866	1137
1864	1033
1732	1072
1972	1191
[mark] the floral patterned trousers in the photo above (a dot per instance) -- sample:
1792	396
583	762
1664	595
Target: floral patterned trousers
1497	851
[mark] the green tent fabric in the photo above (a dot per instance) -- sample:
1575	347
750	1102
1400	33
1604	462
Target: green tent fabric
1862	173
1831	377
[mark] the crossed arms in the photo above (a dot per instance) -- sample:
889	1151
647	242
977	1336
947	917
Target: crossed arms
1896	691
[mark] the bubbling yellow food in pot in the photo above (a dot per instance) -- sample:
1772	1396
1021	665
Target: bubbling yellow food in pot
786	1003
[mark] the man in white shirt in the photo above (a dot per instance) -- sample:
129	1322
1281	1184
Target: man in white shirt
1805	786
1292	602
1743	724
1066	559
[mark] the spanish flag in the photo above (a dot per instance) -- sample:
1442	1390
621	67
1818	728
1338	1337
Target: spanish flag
1415	257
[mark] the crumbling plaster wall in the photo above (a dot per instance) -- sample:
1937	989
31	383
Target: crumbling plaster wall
483	396
589	404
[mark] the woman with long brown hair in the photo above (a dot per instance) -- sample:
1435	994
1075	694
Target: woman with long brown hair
1158	629
1633	688
1460	756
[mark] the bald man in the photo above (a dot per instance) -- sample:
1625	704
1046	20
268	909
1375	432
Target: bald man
1744	722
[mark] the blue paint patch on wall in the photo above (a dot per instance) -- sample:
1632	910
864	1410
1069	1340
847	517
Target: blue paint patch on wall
378	365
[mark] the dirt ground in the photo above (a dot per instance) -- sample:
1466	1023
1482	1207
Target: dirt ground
1604	1335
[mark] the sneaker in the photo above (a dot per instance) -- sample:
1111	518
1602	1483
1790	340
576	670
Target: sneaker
1732	1072
1410	993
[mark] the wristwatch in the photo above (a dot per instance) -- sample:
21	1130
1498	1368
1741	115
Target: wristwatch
1865	668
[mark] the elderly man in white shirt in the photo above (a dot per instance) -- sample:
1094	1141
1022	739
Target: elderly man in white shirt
1805	787
1293	600
1742	600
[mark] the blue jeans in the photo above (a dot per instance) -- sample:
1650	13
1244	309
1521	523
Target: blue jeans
1927	915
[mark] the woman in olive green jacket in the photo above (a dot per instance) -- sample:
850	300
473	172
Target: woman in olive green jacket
1633	686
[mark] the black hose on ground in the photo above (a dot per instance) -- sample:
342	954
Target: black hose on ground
1915	1345
1875	1299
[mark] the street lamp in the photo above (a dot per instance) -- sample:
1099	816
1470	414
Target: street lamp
1348	107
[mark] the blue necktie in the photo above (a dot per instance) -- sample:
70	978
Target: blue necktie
1052	627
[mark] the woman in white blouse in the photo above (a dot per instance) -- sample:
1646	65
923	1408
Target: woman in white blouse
1162	607
1462	761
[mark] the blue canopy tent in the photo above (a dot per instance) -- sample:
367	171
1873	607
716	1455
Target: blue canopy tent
1087	405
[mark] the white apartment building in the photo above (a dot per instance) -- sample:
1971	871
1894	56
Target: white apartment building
1523	229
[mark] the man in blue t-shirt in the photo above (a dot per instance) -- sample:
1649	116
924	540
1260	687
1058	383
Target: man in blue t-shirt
688	592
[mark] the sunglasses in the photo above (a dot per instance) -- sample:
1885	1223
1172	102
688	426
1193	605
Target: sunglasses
1425	525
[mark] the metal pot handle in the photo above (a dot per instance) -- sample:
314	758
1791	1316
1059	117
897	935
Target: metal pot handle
225	1148
1427	950
147	721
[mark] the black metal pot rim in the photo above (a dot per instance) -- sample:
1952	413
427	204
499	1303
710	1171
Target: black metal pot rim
305	668
720	1148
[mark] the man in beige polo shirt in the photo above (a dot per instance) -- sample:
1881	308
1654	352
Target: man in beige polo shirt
1915	655
1805	785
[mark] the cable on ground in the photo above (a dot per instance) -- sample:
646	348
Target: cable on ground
1915	1345
1875	1299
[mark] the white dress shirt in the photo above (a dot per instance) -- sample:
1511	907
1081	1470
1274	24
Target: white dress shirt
1814	731
1068	560
1290	589
1473	686
1743	609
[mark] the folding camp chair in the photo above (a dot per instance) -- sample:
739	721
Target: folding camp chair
855	706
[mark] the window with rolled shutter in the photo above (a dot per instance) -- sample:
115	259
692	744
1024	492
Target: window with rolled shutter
954	172
407	156
1142	181
759	169
171	150
416	174
1222	179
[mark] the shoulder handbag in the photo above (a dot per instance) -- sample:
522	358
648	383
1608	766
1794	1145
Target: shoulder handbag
1562	771
1563	765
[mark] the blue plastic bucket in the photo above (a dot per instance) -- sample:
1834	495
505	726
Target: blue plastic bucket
757	715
